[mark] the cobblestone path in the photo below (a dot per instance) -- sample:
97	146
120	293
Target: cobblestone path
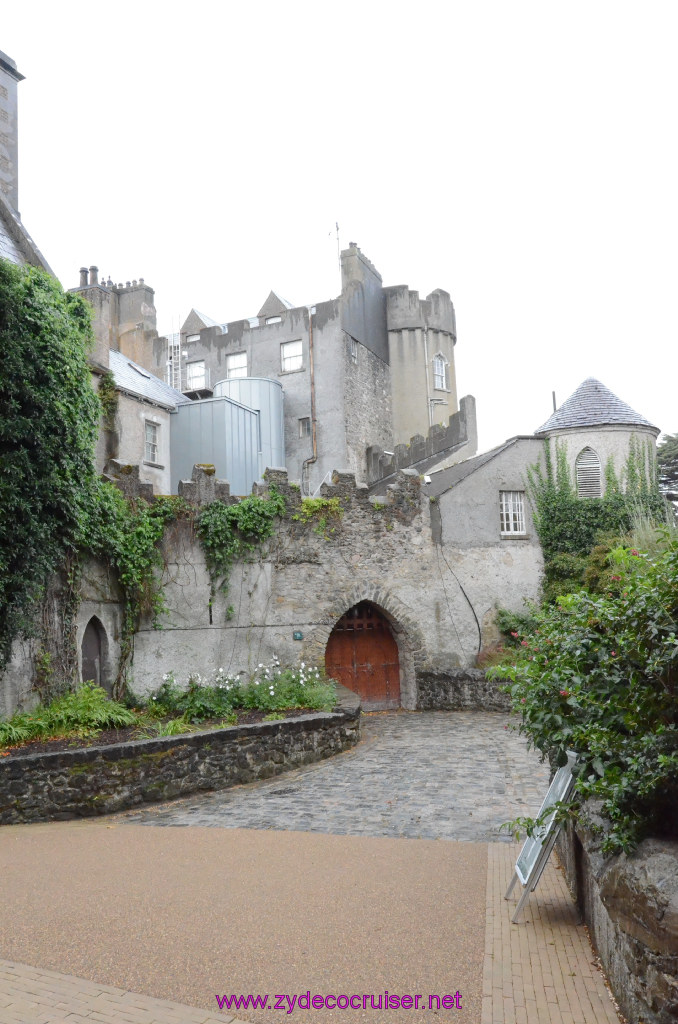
421	775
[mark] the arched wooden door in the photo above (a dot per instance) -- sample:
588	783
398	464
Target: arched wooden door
362	654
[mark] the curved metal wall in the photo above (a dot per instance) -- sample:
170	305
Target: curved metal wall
265	396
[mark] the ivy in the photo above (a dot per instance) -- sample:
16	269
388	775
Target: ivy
48	423
126	534
569	527
108	396
229	532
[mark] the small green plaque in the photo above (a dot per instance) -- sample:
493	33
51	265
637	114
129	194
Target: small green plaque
298	635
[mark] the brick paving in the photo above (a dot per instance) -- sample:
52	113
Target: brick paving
456	776
32	996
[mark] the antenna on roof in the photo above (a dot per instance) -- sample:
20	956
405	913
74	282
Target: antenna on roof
553	394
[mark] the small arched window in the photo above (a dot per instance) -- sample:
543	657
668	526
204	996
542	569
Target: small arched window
587	468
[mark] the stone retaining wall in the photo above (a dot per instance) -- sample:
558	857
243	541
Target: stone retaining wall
100	780
630	905
460	690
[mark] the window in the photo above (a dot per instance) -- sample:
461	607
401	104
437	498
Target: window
512	512
290	356
305	426
354	350
195	375
273	319
236	365
151	442
587	468
441	373
192	337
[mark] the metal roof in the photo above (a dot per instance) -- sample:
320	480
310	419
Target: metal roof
592	404
131	377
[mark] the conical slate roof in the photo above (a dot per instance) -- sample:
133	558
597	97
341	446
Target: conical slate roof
592	404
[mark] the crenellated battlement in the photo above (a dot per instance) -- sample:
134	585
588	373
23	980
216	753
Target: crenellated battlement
406	311
460	432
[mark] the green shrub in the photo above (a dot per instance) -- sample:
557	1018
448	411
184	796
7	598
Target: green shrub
599	675
85	710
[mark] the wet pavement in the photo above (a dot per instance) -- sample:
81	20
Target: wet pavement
419	775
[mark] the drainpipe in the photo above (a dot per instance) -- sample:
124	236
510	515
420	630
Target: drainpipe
314	437
428	382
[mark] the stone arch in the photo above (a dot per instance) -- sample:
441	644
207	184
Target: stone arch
588	473
94	661
406	634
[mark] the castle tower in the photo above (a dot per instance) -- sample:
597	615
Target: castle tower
422	334
604	439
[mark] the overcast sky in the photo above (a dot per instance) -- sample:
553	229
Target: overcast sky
521	155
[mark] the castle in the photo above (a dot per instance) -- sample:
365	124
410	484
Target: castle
342	399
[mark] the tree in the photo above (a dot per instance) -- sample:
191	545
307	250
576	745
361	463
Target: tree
49	414
667	460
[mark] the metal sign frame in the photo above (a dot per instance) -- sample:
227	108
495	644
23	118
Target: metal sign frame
537	848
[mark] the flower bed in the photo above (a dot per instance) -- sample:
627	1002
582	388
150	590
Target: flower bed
100	780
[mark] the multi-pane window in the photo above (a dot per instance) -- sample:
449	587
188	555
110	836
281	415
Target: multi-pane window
441	378
512	512
290	356
587	469
195	375
236	365
305	426
151	442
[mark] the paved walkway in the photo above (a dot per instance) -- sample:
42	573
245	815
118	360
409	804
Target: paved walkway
174	911
420	776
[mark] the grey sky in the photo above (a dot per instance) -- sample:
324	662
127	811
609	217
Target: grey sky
520	155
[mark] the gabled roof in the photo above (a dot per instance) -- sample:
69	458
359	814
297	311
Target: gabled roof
592	404
446	478
16	245
274	306
195	321
135	380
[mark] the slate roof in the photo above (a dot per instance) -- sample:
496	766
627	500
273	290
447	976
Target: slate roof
274	305
592	404
446	478
195	321
135	380
16	245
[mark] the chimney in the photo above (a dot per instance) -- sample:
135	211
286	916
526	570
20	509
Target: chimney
83	277
94	275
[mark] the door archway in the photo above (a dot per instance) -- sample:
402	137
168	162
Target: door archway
94	649
362	655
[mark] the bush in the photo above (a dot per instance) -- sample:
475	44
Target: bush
85	710
271	689
599	675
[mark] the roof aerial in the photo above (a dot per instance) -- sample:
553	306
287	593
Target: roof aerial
592	404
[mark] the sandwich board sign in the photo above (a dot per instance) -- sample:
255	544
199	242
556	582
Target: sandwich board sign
537	848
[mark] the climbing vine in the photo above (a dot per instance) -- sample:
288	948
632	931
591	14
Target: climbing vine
229	532
48	423
569	526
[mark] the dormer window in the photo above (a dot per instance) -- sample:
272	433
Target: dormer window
587	471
